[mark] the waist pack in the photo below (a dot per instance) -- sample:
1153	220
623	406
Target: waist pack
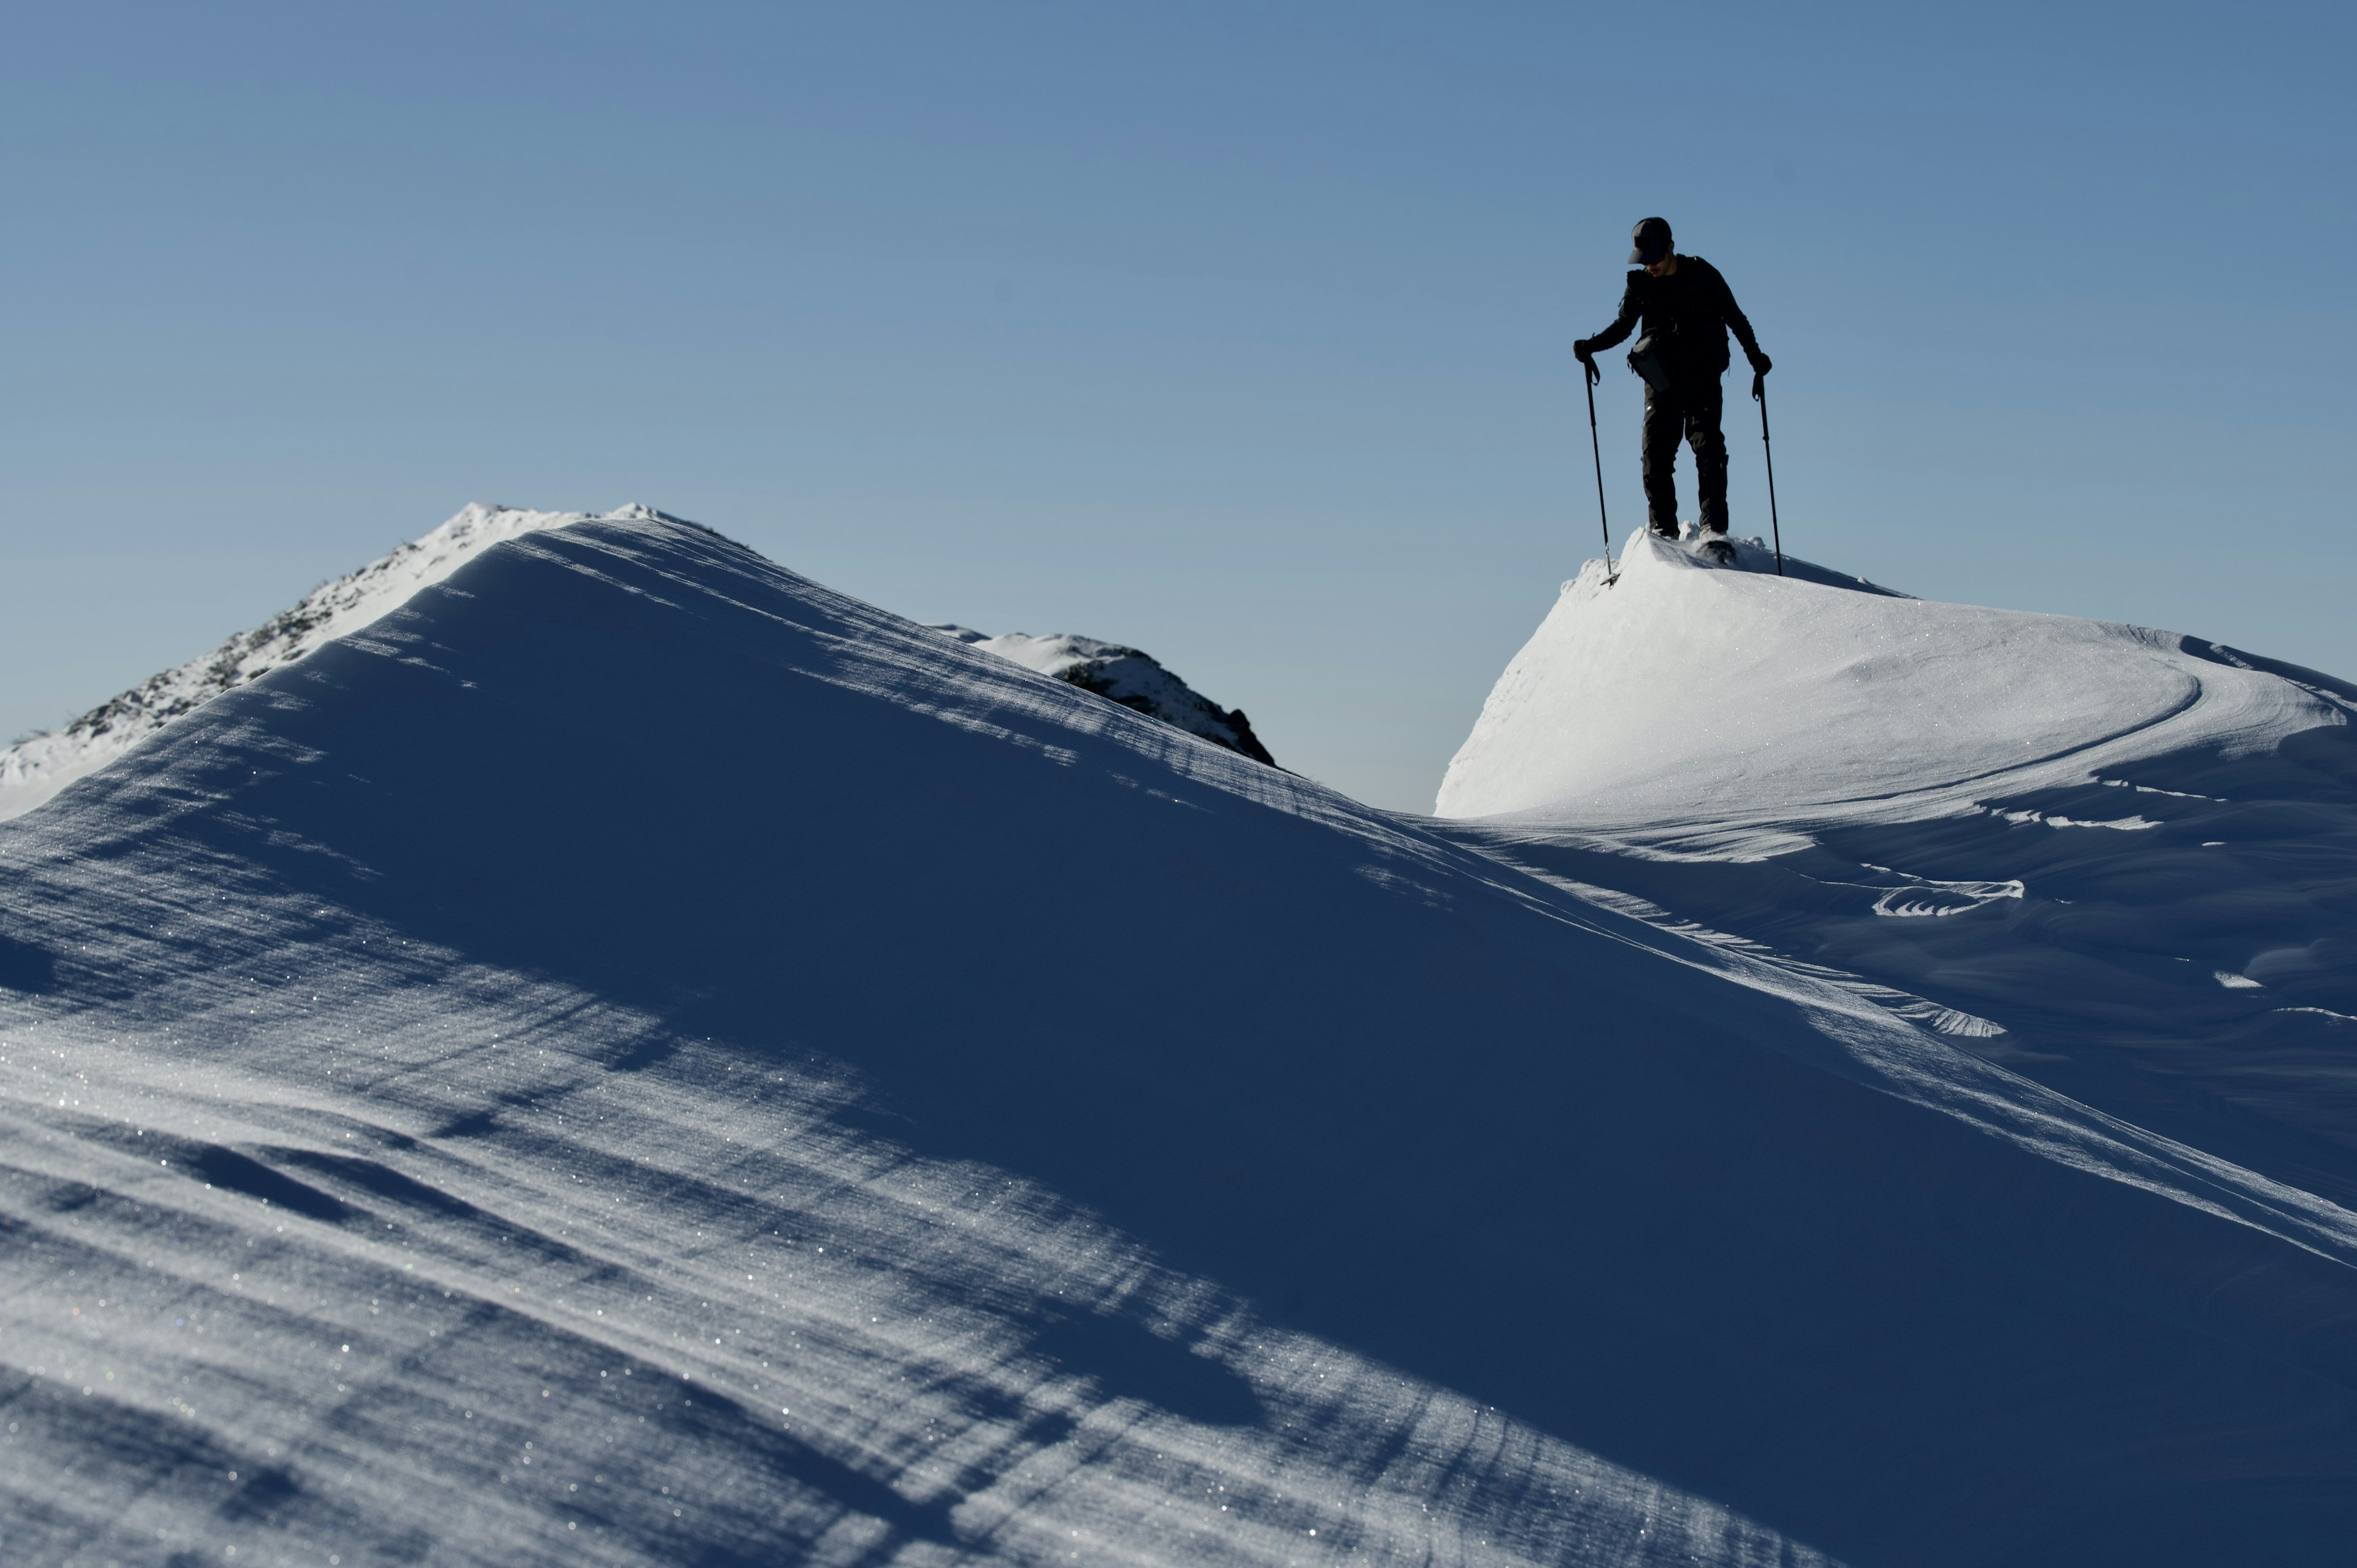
1649	358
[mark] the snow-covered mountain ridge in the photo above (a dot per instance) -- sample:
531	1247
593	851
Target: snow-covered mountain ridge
33	770
638	1058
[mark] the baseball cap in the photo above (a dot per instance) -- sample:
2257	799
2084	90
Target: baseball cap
1652	237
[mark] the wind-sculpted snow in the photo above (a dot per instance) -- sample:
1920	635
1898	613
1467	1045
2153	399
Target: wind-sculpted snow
1688	690
640	1058
2123	863
2197	975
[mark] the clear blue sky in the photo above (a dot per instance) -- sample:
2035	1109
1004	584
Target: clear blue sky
1239	332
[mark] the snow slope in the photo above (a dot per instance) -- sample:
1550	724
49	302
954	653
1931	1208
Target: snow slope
2119	861
1689	688
33	770
640	1058
1126	676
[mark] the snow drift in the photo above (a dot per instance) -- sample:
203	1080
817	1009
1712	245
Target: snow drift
638	1058
1689	687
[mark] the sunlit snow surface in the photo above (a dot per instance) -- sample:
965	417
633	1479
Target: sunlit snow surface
1687	689
640	1058
2123	861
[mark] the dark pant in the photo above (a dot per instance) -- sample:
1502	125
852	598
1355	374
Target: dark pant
1690	413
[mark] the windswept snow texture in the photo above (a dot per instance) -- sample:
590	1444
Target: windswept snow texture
2121	862
640	1058
1134	680
33	770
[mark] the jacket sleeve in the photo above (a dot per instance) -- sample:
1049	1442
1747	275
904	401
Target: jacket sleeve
1736	320
1631	306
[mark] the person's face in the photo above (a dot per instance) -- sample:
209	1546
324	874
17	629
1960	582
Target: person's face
1660	269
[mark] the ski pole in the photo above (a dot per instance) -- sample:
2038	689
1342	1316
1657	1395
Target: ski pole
1759	395
1596	446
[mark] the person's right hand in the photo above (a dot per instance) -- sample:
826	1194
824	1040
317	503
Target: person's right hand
1583	351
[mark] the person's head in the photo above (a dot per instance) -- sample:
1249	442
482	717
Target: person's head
1653	252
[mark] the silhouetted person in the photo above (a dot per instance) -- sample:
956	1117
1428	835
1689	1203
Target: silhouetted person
1686	309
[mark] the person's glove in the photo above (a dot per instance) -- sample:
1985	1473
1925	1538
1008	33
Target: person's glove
1761	365
1585	352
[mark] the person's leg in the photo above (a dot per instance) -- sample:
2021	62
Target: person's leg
1710	445
1665	421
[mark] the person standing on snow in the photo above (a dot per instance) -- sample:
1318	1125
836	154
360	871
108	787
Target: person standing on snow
1686	309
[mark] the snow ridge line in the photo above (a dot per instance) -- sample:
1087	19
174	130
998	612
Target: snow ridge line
34	769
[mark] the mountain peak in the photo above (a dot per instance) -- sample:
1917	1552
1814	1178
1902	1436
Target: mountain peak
33	770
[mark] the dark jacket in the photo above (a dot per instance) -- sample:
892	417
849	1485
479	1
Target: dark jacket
1688	312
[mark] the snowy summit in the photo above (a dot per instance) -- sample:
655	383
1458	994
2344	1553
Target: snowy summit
33	770
1687	687
633	1057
